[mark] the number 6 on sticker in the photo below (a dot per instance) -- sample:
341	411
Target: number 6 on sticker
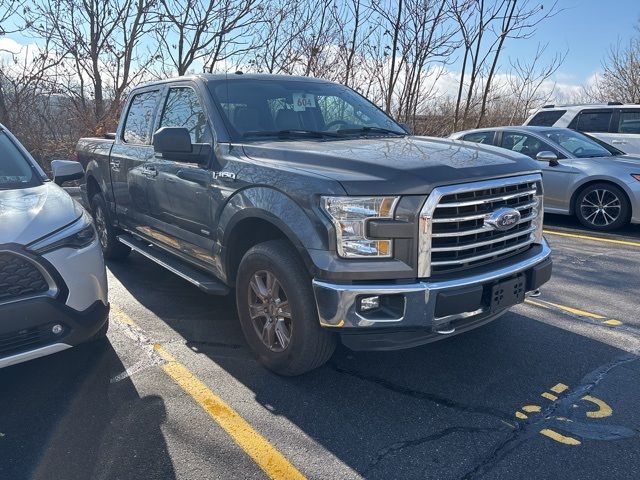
302	101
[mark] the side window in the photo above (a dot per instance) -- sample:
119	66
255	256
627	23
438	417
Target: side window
594	120
485	138
546	118
524	144
138	124
183	109
629	121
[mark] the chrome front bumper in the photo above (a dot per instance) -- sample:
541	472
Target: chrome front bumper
414	305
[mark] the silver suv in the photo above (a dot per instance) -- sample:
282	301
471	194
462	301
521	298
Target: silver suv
615	123
53	283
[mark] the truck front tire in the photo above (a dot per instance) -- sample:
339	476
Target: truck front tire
112	249
277	310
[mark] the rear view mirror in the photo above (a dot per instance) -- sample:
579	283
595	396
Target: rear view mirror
66	171
174	143
548	156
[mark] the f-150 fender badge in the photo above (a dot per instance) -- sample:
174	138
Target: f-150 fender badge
224	175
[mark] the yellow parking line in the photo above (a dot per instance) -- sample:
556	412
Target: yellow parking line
559	438
270	460
574	311
595	239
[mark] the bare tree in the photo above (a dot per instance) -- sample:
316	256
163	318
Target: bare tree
485	28
276	40
205	31
100	41
527	80
620	80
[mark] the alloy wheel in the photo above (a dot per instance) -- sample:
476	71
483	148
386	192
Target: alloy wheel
270	311
601	207
101	227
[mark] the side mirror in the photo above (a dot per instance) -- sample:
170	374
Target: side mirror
66	171
174	143
548	156
406	128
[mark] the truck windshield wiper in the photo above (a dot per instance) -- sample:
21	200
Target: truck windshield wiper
289	133
366	130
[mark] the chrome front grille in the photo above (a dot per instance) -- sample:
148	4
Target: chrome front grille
454	234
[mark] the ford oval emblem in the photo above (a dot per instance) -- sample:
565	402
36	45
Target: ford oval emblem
503	218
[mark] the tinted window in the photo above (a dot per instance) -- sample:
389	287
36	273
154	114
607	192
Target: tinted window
578	144
546	119
629	122
15	169
183	109
594	121
138	124
480	137
525	144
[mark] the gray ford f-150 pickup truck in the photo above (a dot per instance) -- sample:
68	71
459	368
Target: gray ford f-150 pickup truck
326	216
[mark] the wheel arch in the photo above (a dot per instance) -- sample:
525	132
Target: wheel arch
261	214
591	181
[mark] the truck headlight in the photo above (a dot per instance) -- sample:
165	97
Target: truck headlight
77	235
539	210
349	216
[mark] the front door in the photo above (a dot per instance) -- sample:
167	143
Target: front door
179	195
554	178
129	159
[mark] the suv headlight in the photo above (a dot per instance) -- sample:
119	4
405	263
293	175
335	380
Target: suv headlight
349	216
77	235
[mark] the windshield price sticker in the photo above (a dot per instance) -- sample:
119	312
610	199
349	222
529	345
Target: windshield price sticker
302	101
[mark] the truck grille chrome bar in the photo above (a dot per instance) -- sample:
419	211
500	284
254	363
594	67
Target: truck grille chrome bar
454	234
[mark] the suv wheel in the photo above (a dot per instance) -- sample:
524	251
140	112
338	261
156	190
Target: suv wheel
111	247
277	310
602	206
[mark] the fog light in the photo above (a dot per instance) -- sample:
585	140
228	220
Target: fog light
57	329
369	303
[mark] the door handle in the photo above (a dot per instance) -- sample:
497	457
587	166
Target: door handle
150	171
618	142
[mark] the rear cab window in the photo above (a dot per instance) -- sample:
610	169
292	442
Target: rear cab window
546	118
598	121
139	120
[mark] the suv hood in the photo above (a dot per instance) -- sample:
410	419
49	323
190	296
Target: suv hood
394	166
31	213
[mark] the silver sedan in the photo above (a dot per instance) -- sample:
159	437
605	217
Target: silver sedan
582	176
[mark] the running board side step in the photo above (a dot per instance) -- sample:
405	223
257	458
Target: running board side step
207	283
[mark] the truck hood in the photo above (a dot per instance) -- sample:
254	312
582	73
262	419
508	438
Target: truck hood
31	213
393	166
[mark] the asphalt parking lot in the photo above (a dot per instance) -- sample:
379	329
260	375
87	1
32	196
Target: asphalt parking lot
550	390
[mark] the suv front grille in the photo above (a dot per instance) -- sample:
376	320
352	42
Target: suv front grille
19	278
453	229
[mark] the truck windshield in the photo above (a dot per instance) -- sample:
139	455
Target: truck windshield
256	109
15	169
578	144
